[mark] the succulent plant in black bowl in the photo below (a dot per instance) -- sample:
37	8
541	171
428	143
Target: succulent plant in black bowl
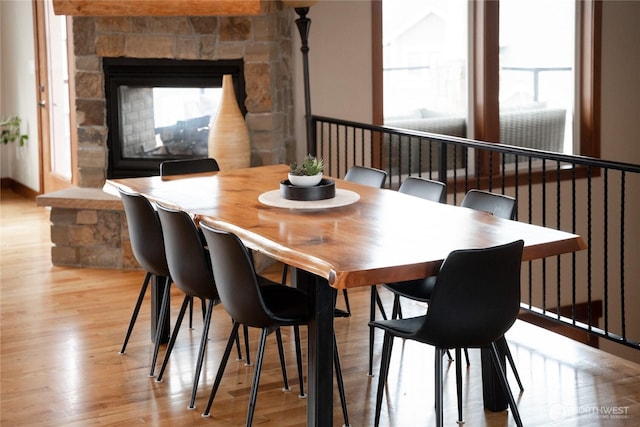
308	173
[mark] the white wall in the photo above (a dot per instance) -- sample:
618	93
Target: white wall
620	140
620	82
18	90
339	64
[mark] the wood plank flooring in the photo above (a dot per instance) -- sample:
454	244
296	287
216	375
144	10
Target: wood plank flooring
62	328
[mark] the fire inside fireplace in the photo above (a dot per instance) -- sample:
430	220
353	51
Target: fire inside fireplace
160	109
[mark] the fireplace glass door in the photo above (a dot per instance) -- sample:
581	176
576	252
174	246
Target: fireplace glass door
161	110
160	122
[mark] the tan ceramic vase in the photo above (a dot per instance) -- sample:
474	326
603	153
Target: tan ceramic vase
228	133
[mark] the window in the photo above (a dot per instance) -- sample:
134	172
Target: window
425	65
537	56
521	65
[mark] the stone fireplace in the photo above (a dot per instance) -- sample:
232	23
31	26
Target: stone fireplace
88	226
262	43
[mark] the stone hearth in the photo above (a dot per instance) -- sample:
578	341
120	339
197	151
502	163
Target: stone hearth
263	42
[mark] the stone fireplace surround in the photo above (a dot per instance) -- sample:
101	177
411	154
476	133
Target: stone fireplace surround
88	226
263	42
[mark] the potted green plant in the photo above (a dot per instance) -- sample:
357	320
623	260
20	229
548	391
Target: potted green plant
10	131
308	173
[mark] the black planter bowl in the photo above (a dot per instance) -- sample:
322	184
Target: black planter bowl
325	189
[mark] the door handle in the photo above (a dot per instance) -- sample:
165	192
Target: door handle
42	104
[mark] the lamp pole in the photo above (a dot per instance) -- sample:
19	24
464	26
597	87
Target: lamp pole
303	23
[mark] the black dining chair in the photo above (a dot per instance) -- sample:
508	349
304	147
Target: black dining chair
265	307
420	290
499	205
475	300
147	244
424	188
190	268
370	177
187	166
503	206
199	165
191	271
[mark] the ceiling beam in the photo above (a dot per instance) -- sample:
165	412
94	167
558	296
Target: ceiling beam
161	7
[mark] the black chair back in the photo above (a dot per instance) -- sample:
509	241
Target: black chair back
145	233
186	256
236	278
186	166
476	297
499	205
366	176
424	188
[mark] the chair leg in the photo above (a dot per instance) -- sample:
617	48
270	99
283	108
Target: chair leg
296	334
397	308
505	348
503	382
174	335
221	368
245	331
372	334
346	301
160	325
190	312
339	379
375	300
466	356
383	313
384	372
238	348
256	377
204	310
282	362
439	387
459	384
136	310
203	346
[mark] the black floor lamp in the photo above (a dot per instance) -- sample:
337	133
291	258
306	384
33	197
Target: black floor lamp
303	23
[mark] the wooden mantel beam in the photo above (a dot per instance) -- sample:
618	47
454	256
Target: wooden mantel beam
161	7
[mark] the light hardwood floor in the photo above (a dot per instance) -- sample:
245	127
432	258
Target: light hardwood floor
62	328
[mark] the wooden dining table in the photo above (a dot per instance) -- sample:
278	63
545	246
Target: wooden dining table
366	237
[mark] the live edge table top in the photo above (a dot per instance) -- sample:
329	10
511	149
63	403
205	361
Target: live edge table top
385	236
